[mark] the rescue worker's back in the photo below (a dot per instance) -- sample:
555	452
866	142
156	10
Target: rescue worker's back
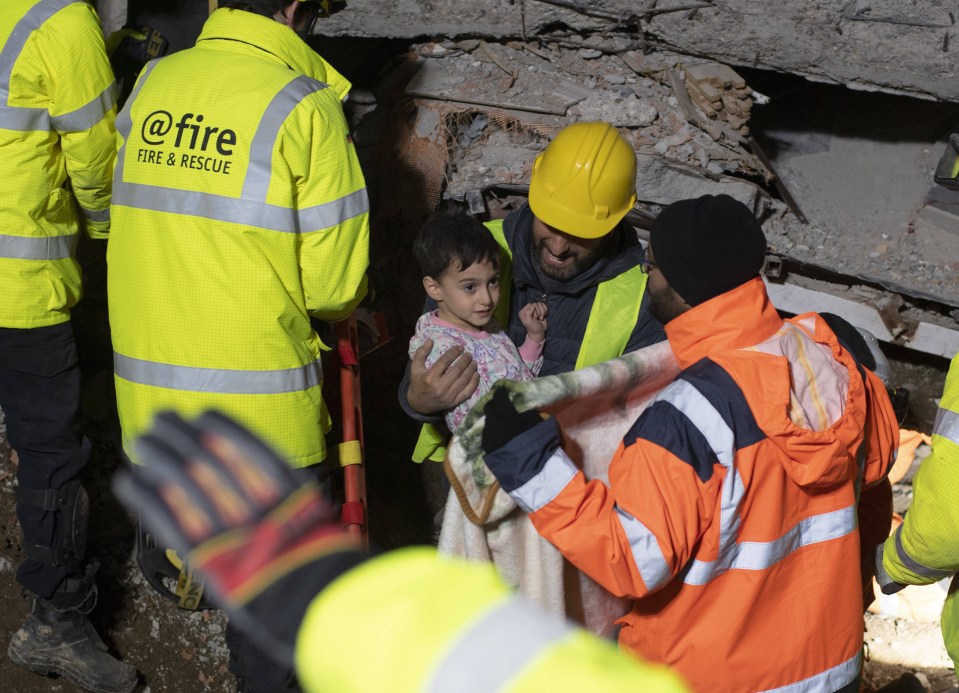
239	212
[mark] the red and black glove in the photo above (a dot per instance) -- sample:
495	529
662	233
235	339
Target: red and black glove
266	543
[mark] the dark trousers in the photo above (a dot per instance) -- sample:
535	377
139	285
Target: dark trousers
40	398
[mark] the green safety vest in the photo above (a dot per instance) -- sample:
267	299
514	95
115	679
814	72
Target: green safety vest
611	322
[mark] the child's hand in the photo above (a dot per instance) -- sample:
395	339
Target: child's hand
533	317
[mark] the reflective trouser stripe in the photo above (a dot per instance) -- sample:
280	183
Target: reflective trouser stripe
28	119
825	682
33	248
509	638
915	566
218	380
947	425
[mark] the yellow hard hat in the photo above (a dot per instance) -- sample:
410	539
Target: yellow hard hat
585	181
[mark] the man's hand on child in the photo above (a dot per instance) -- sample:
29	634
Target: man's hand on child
447	383
533	317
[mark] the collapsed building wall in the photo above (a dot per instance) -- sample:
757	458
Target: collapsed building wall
461	118
889	45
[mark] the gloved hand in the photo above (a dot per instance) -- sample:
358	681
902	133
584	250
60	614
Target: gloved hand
516	445
503	422
228	503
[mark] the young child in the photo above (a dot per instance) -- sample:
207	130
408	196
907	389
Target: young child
460	263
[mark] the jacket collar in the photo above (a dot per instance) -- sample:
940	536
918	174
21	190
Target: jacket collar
733	320
275	39
624	253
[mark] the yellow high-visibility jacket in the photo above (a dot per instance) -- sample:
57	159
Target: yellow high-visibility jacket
57	139
441	624
239	211
925	548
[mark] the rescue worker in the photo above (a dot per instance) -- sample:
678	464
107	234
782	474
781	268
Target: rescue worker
310	596
239	213
57	136
925	547
569	247
730	512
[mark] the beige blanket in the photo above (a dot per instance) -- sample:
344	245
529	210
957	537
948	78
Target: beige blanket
595	406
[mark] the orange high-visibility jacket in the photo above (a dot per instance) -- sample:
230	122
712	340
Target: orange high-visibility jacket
730	513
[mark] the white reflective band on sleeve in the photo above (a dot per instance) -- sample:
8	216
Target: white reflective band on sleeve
947	425
755	555
260	170
33	248
829	680
915	566
87	116
545	486
332	213
217	379
647	556
96	214
493	651
24	119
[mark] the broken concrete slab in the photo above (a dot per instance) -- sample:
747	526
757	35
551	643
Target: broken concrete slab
884	45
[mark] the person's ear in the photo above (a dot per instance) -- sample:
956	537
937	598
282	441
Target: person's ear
432	289
287	15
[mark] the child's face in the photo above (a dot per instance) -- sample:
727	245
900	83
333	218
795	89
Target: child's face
466	298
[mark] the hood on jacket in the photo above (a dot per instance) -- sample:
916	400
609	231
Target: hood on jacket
809	398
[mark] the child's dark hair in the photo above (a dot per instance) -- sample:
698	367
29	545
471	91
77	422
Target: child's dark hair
449	237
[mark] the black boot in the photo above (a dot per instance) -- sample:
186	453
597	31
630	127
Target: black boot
63	641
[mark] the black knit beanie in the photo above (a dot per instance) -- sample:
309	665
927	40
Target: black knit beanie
707	246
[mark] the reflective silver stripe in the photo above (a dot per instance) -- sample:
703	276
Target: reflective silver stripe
96	214
647	556
913	565
218	380
829	680
711	424
947	425
332	213
33	248
260	168
759	555
509	637
690	401
24	119
205	205
545	486
87	116
124	123
732	553
230	209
